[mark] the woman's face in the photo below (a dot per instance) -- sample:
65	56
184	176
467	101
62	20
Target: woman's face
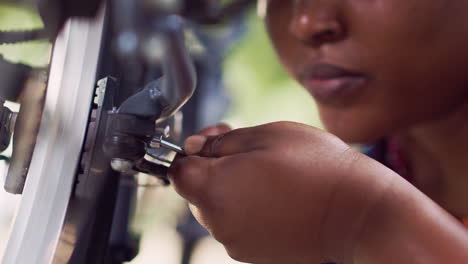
375	66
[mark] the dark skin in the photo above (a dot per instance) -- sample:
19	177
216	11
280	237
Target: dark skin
289	193
418	84
407	43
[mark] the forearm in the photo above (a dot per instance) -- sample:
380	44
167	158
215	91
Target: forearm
405	226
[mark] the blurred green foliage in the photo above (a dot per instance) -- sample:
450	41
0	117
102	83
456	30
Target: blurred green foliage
261	90
18	18
34	53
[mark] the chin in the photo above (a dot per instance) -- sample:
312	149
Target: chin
356	129
354	136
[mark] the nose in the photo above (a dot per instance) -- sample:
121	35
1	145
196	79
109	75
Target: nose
316	23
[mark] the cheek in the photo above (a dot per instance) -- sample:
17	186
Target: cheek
289	50
418	58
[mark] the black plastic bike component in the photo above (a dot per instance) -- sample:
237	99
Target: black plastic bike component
162	98
7	118
134	125
12	79
124	147
89	217
124	244
10	37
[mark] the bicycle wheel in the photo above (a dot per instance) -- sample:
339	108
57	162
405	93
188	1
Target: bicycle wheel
52	172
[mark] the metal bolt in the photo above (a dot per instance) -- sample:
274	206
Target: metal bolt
159	142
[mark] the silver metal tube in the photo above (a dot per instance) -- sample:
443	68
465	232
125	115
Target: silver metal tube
179	80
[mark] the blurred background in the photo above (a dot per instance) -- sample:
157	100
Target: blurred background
259	91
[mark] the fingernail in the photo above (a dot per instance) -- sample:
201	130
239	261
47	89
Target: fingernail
194	144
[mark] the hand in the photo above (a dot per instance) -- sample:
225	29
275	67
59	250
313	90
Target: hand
279	193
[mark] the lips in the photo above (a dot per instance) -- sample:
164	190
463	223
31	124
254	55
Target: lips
329	83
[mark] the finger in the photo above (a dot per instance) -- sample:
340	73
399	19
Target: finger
194	144
236	141
230	143
215	130
189	176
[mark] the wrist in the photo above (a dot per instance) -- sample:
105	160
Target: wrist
360	190
405	226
